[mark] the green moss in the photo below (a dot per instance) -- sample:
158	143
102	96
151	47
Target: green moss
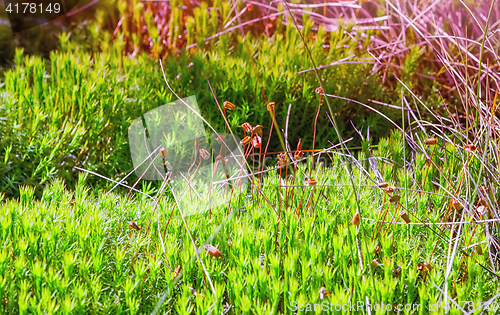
74	109
75	251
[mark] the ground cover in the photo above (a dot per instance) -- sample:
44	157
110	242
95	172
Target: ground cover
76	252
75	109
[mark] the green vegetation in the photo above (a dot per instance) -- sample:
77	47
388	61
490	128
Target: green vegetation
403	211
74	252
75	109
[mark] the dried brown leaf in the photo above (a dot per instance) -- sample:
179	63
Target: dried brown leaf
323	292
176	271
456	204
256	142
394	198
134	225
247	127
246	140
204	153
311	182
481	210
229	105
383	185
270	106
390	189
212	251
355	219
470	148
431	141
164	153
405	217
257	130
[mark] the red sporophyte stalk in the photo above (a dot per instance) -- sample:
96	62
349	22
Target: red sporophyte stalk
320	92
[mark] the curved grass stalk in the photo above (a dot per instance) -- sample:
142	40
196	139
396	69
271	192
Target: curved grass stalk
192	241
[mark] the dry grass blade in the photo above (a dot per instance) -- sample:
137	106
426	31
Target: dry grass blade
193	242
113	181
